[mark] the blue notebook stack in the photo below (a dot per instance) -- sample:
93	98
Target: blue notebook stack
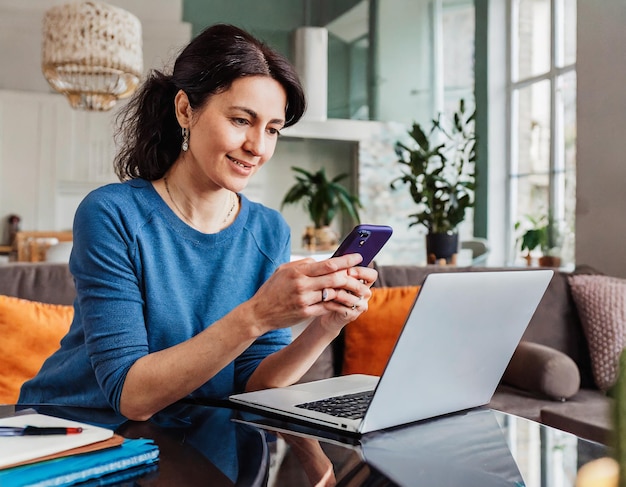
132	459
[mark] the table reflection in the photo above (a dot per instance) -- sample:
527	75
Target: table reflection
203	445
477	447
198	445
547	456
462	449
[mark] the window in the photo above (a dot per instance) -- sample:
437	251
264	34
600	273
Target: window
542	118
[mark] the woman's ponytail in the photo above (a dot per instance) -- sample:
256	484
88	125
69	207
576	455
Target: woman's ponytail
148	134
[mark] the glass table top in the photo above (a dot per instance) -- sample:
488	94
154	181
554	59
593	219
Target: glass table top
202	445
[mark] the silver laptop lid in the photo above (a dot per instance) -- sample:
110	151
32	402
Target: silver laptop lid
456	344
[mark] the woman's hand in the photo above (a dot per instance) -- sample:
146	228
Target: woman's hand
336	289
350	301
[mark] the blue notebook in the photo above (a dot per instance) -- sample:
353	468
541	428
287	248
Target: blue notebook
130	455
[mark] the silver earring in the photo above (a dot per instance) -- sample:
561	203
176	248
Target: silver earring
185	139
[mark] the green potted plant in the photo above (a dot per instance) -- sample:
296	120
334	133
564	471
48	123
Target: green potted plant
540	232
323	199
438	167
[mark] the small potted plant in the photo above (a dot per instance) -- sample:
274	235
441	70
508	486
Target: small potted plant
541	232
439	171
323	199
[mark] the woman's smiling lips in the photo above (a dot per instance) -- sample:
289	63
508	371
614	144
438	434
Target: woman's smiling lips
239	163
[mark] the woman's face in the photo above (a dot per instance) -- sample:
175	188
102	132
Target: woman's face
236	132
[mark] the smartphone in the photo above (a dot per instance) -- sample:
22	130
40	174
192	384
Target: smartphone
366	240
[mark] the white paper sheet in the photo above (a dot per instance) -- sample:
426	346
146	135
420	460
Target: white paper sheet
15	449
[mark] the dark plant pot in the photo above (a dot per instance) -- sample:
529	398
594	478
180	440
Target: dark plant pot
442	246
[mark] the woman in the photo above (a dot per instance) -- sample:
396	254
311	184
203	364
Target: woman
183	284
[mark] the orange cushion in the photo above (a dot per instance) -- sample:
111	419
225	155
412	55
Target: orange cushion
370	338
30	332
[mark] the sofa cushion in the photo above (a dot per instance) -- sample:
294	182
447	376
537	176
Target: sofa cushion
42	281
31	332
543	370
601	304
369	340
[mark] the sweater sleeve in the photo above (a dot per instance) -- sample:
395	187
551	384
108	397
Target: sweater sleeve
263	346
109	294
266	344
146	282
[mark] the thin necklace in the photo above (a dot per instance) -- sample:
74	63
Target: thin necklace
169	193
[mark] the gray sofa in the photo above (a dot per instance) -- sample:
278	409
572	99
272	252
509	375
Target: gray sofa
525	390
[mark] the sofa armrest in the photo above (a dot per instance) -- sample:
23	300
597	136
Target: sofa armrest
542	370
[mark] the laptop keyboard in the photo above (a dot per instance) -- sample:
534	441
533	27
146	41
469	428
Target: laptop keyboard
349	406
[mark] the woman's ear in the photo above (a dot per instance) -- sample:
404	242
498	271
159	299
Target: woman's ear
183	109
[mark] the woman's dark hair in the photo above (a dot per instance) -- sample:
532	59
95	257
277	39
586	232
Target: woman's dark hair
149	134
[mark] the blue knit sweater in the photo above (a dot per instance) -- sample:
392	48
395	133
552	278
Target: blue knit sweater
146	281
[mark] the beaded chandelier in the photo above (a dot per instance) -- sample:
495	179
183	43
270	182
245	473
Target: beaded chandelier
92	53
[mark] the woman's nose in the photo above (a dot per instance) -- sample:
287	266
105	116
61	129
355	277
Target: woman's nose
255	143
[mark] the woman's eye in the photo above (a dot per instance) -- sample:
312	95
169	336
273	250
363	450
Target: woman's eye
240	121
273	131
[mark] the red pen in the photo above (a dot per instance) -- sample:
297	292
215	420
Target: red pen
36	430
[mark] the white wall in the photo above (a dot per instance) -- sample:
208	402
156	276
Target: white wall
601	133
51	156
405	72
21	36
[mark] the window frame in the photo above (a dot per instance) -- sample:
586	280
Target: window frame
557	167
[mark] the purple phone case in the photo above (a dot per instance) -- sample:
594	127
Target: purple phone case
366	240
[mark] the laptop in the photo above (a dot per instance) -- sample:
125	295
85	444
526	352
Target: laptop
453	349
